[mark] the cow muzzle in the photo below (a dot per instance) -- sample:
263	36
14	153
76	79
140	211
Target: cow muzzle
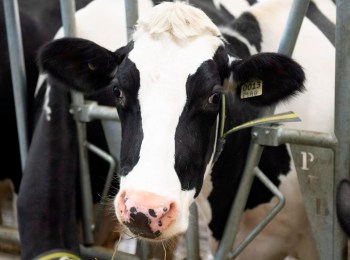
147	215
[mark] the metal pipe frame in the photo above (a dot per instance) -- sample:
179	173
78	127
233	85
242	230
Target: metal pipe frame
275	136
110	175
286	47
68	20
277	208
11	235
90	111
132	14
18	73
342	115
192	234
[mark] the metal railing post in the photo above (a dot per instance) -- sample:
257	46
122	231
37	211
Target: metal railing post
132	14
342	115
18	73
68	20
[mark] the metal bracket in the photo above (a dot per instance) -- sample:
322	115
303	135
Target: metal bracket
90	111
277	135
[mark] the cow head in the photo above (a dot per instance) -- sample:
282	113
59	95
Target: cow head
167	84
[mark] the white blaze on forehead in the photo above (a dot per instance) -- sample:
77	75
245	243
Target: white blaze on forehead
167	49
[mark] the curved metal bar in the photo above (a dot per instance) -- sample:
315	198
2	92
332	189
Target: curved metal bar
112	167
68	20
274	211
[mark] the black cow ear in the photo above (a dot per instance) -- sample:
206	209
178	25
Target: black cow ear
267	78
80	64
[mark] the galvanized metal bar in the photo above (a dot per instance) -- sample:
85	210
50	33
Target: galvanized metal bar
326	140
18	73
9	235
103	113
192	237
110	175
240	201
143	250
277	208
274	136
342	114
90	111
286	47
68	20
295	19
132	14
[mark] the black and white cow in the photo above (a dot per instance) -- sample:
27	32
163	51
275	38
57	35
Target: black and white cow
167	86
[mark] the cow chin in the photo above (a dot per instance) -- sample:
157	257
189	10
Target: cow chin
151	216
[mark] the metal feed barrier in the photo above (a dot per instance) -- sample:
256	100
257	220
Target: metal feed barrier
317	178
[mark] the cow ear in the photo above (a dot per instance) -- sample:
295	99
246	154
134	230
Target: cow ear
267	78
80	64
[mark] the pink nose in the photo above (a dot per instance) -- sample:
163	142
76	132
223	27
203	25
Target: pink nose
146	214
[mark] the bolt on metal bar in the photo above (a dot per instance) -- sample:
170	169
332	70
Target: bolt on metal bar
277	208
342	114
18	73
296	16
68	20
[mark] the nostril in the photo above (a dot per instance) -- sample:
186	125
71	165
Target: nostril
152	213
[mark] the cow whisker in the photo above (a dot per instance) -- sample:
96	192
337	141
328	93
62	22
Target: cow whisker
116	247
164	250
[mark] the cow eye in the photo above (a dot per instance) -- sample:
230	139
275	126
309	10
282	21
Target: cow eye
214	98
118	92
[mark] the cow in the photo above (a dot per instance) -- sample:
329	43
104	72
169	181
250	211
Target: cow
246	34
176	148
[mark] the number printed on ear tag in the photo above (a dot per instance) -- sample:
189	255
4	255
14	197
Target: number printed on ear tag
252	88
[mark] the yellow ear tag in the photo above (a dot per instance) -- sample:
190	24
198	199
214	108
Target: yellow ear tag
252	88
91	67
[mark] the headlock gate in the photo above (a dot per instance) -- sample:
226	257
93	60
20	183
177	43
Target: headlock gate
321	159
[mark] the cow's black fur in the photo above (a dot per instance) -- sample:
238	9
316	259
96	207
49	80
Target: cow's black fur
343	205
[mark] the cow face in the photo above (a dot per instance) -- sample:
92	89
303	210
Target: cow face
167	84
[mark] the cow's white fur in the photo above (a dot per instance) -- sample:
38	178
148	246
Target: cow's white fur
99	23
